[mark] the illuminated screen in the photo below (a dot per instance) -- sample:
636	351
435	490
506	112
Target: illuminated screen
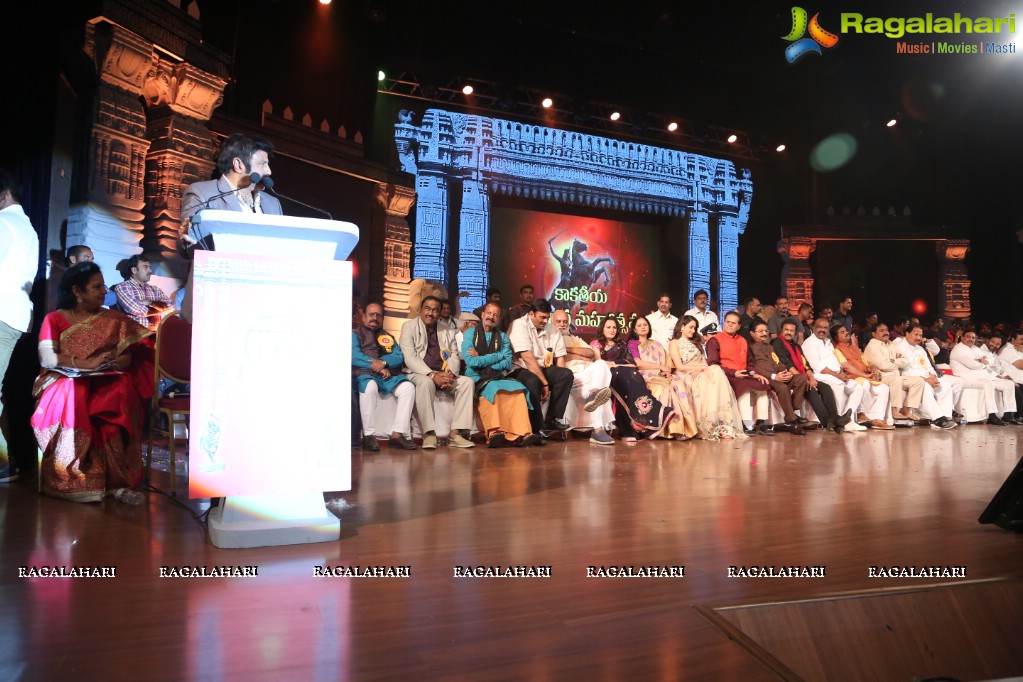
590	266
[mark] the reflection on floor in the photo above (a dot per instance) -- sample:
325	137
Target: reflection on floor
845	503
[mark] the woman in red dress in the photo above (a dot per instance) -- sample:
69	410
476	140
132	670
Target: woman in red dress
96	376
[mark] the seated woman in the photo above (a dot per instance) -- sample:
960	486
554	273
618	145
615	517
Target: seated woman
637	410
705	386
654	365
89	428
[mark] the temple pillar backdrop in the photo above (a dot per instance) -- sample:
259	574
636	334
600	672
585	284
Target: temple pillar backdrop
729	230
431	254
954	297
699	253
180	98
390	219
473	244
112	172
796	275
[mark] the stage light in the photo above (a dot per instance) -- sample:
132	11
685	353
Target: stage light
467	90
891	123
615	116
381	75
919	307
324	2
780	148
732	138
547	102
672	127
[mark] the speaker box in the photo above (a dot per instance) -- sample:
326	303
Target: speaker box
1006	507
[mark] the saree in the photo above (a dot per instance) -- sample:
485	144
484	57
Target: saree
683	421
707	390
637	411
89	428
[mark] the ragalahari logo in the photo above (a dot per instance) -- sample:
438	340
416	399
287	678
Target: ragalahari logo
802	46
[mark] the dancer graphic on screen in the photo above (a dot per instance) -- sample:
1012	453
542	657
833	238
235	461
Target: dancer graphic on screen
565	261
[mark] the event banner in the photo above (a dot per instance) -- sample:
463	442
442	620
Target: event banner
591	267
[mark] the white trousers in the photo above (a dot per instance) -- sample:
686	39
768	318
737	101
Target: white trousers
405	398
593	377
876	402
999	394
848	394
941	401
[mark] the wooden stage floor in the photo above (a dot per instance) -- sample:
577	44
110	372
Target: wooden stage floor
844	503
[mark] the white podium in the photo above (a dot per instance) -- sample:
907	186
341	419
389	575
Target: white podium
271	370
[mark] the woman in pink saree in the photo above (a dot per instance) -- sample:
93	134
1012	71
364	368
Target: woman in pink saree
89	428
655	366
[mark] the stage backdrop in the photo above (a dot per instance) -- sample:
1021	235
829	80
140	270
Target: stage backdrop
589	266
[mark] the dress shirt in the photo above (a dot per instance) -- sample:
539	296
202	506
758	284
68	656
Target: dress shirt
704	318
919	365
662	327
821	355
19	262
1008	355
883	357
130	297
524	336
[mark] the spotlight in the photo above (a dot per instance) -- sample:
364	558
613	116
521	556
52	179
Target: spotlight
780	148
672	127
467	90
615	116
324	2
547	102
732	138
381	75
891	123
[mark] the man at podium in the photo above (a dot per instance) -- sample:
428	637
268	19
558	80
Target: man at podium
242	162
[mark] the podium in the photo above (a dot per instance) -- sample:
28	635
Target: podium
271	375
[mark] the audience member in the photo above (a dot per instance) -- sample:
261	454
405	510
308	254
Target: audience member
544	378
432	362
970	364
654	366
493	295
136	297
820	395
751	312
906	391
820	353
376	371
876	396
503	403
843	314
789	387
521	309
591	384
781	313
662	322
942	390
710	410
731	351
706	319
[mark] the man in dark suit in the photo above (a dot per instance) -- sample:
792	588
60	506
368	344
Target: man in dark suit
789	386
819	395
239	159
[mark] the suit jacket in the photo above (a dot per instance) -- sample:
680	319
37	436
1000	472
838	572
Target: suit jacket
413	342
761	356
786	359
198	193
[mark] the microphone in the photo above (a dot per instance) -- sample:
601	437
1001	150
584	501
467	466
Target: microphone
254	179
268	184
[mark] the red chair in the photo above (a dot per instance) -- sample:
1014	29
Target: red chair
173	361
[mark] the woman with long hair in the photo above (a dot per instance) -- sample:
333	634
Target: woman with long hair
655	367
637	411
705	386
96	374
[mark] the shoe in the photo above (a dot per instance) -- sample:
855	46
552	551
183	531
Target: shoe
839	430
749	432
9	473
628	439
853	426
956	417
369	444
843	419
597	398
498	440
797	429
601	438
401	443
994	420
765	430
802	421
557	425
881	425
811	426
905	423
456	440
430	441
530	439
943	423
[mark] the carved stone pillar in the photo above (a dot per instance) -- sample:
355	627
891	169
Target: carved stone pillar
729	230
796	275
113	172
473	244
431	226
392	206
181	98
699	252
954	297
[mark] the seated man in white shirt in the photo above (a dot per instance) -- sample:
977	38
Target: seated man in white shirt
544	376
942	390
592	381
707	322
820	353
1010	354
662	322
1008	365
969	362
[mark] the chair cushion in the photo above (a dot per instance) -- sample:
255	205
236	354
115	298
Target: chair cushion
174	404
